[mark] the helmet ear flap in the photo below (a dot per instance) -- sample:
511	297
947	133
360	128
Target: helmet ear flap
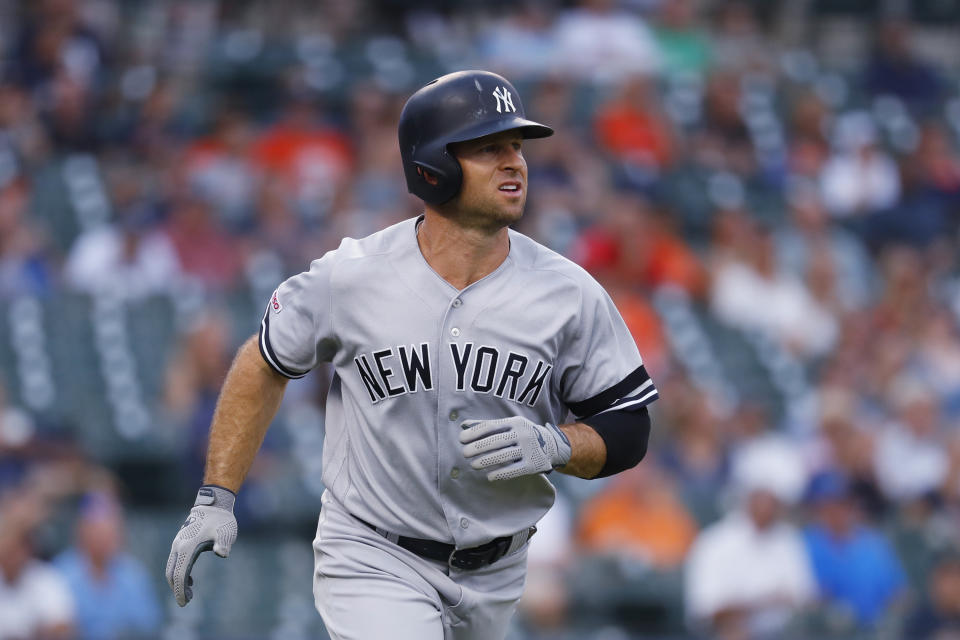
448	175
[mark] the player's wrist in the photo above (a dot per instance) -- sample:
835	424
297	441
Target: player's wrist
213	495
563	448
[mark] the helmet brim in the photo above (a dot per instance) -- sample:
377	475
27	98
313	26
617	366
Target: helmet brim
529	128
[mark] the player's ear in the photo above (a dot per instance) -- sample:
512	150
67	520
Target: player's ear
429	177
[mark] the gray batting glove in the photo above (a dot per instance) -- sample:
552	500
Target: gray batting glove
210	525
514	446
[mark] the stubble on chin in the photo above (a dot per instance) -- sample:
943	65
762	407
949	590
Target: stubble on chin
486	214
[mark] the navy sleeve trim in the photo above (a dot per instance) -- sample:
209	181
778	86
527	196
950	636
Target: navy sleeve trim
636	389
266	350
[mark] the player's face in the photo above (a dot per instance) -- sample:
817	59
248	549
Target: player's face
494	188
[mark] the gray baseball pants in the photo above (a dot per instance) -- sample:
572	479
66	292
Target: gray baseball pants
367	588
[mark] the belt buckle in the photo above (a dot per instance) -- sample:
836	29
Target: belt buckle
477	557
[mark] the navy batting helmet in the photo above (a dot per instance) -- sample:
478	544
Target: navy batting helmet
454	108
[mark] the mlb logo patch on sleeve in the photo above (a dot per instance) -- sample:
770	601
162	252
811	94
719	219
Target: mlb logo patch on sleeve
275	302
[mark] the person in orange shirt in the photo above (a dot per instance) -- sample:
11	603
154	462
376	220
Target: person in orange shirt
632	127
634	244
644	325
639	515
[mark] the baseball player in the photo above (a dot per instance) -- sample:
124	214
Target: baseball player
460	348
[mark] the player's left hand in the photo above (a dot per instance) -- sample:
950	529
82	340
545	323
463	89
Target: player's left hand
210	525
513	447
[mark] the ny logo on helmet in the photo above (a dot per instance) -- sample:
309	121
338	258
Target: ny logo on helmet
504	100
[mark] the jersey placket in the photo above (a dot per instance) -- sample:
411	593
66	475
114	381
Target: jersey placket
449	407
455	338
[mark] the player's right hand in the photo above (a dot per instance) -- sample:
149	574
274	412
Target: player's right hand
210	525
512	447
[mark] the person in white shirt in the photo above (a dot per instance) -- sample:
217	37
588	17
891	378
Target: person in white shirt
860	178
911	459
129	259
35	603
598	42
748	574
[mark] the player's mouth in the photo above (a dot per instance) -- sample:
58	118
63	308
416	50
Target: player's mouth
512	188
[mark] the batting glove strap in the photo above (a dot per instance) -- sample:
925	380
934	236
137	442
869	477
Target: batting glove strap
562	443
212	495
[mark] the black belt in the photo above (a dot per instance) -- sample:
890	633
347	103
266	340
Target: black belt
464	559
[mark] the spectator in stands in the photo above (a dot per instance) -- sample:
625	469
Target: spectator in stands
810	234
305	157
634	245
519	43
70	116
751	292
685	47
926	211
723	142
113	592
221	169
894	69
131	258
24	135
280	228
207	255
822	280
737	39
632	128
25	264
936	358
937	160
638	516
843	444
35	602
53	38
696	456
809	127
911	458
937	617
858	573
598	42
906	275
860	178
748	574
155	124
195	373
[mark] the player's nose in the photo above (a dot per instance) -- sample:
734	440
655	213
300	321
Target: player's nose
512	160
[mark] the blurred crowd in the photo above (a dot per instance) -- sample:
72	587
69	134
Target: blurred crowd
770	191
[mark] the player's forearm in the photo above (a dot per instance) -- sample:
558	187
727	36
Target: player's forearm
588	451
248	402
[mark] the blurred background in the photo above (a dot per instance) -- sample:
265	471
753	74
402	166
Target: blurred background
770	190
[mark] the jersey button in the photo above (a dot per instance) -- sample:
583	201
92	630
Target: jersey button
455	473
457	302
455	332
464	523
454	415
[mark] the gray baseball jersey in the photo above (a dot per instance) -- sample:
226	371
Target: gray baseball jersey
413	357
